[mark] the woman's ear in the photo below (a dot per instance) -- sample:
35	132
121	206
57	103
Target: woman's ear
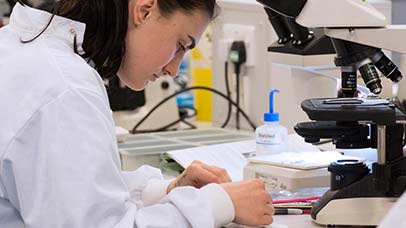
143	10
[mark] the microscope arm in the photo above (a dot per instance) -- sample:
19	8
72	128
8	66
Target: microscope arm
342	13
388	38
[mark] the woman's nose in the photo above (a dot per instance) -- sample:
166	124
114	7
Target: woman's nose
173	67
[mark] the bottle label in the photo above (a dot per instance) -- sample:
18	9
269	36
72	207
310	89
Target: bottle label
269	138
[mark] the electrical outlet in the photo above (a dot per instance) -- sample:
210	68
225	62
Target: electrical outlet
234	32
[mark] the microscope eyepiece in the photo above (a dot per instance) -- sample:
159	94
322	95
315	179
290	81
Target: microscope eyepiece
279	25
371	78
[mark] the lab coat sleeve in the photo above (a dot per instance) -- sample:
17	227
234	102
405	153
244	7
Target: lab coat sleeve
396	215
209	206
62	170
149	191
153	190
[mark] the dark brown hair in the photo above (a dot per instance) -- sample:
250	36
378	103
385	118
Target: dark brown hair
106	25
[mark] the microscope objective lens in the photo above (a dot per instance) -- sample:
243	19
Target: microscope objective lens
389	69
371	78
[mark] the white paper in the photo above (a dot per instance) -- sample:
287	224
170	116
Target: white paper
304	161
228	156
232	156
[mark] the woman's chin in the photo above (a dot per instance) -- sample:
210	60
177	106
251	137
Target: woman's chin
138	87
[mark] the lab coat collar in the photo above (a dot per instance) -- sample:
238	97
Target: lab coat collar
32	21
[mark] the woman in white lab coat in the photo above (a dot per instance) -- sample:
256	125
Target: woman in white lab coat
59	164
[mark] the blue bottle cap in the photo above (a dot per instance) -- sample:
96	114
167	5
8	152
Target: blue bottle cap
271	116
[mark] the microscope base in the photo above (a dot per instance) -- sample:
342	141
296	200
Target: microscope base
355	211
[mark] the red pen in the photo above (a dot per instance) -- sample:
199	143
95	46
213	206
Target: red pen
296	200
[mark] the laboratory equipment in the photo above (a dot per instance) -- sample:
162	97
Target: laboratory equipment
303	166
358	32
136	105
284	178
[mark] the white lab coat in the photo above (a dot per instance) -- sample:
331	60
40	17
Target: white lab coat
396	215
59	163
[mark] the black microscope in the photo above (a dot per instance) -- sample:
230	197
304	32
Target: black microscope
357	196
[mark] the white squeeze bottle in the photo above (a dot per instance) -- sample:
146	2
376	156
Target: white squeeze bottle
271	137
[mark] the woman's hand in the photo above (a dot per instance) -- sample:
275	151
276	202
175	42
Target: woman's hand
252	204
198	175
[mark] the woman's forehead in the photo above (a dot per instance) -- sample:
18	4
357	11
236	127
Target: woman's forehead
192	23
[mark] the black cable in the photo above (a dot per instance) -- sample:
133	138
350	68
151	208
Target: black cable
237	77
167	127
164	128
188	89
192	126
238	56
228	95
